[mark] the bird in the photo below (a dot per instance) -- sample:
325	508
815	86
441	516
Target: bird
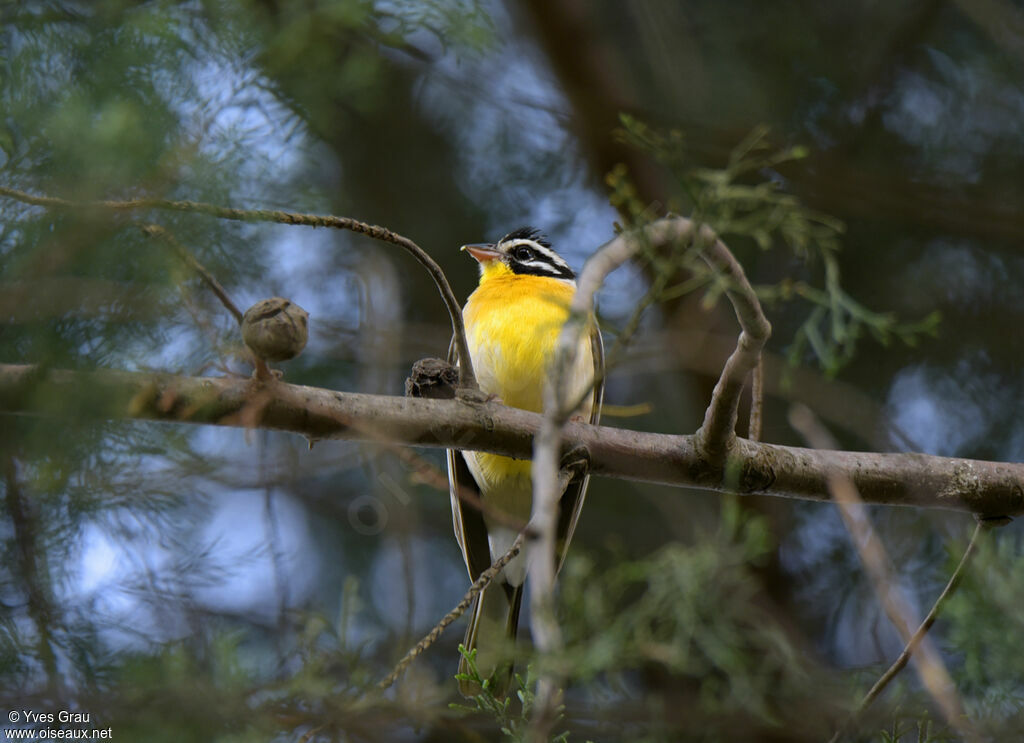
512	322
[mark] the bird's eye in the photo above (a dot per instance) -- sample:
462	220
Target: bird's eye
523	253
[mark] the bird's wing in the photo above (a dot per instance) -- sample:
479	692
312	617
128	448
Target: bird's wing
467	518
470	530
571	504
597	348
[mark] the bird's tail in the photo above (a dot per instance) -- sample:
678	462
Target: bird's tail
493	622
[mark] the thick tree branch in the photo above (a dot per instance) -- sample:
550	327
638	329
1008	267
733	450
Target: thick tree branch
466	376
989	489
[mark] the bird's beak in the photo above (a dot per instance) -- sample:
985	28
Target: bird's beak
483	252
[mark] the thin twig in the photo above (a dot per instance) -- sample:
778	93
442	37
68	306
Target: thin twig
33	572
756	401
429	474
608	258
901	662
547	484
460	608
466	376
547	489
153	230
718	433
929	620
612	357
928	662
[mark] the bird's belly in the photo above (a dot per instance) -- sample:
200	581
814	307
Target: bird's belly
504	482
506	490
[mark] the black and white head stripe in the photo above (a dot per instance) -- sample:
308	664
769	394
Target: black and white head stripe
527	251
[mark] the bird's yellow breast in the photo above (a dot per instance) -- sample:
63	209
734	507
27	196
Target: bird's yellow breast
512	326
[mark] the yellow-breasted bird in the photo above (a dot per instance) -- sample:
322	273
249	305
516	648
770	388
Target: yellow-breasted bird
513	320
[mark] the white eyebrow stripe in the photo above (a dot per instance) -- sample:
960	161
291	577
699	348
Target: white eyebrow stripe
553	259
544	266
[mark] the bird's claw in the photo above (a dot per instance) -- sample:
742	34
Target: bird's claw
576	461
472	394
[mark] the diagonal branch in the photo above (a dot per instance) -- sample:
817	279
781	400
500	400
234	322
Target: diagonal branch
186	256
931	669
717	434
913	642
459	609
466	375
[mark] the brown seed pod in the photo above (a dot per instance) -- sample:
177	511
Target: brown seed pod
275	329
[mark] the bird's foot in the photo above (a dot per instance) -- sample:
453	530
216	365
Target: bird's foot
471	394
575	462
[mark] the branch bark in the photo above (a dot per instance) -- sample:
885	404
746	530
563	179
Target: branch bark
989	489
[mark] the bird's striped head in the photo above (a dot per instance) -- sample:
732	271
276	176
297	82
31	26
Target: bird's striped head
524	252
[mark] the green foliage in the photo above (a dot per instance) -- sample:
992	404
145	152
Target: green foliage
511	713
103	104
720	198
691	612
210	684
912	731
744	201
978	619
837	321
690	615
